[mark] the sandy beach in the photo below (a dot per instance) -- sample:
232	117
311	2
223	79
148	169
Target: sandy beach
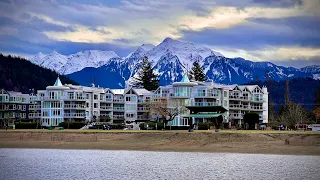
265	142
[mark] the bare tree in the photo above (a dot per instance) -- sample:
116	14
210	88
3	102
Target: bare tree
293	114
168	111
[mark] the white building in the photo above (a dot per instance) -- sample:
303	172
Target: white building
236	100
59	103
72	103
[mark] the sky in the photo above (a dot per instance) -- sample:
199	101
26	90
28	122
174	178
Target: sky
285	32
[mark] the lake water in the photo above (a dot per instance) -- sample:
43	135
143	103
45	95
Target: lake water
101	164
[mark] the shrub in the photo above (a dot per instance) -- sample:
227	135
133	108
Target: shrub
26	125
177	127
72	125
142	126
204	126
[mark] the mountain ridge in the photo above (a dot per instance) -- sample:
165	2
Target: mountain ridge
171	59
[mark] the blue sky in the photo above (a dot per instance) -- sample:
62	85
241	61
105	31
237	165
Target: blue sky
286	32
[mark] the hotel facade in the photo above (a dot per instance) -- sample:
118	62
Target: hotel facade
130	106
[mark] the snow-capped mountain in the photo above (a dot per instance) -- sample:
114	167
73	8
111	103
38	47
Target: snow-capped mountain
170	59
38	58
91	58
314	70
73	62
54	61
187	52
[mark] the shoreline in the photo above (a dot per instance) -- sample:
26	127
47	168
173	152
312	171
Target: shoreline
263	142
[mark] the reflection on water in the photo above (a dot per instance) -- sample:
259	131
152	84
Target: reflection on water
101	164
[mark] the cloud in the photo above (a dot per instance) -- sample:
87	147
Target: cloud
249	28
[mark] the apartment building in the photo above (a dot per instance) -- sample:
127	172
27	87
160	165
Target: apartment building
235	101
14	106
72	103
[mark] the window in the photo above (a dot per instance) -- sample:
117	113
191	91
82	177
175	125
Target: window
95	105
95	97
14	107
128	98
71	95
129	115
225	103
87	105
87	96
225	93
24	107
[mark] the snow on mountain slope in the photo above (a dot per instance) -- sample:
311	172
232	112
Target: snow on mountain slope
54	61
73	62
83	59
38	58
187	52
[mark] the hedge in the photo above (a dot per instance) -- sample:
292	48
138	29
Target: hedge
72	125
204	126
26	125
152	125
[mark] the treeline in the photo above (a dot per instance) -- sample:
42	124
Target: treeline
293	102
19	74
302	91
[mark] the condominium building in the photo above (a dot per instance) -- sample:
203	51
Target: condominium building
235	101
72	103
203	101
14	106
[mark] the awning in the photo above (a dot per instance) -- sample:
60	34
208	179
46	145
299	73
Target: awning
203	115
196	109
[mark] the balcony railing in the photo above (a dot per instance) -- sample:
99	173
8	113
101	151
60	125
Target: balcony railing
118	117
35	106
118	108
205	104
75	106
118	100
235	106
34	115
202	94
106	107
143	109
143	117
236	115
74	115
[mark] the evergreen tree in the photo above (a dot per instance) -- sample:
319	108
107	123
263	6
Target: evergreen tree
197	73
146	77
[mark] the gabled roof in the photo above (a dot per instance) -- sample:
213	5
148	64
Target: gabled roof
117	91
142	92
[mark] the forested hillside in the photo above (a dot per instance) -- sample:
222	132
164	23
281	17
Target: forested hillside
19	74
301	90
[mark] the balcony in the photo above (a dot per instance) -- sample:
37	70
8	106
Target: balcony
253	108
74	115
205	104
235	115
118	100
106	99
74	106
118	117
32	107
231	97
110	108
143	100
143	109
160	96
34	115
235	106
118	108
205	95
143	117
255	99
